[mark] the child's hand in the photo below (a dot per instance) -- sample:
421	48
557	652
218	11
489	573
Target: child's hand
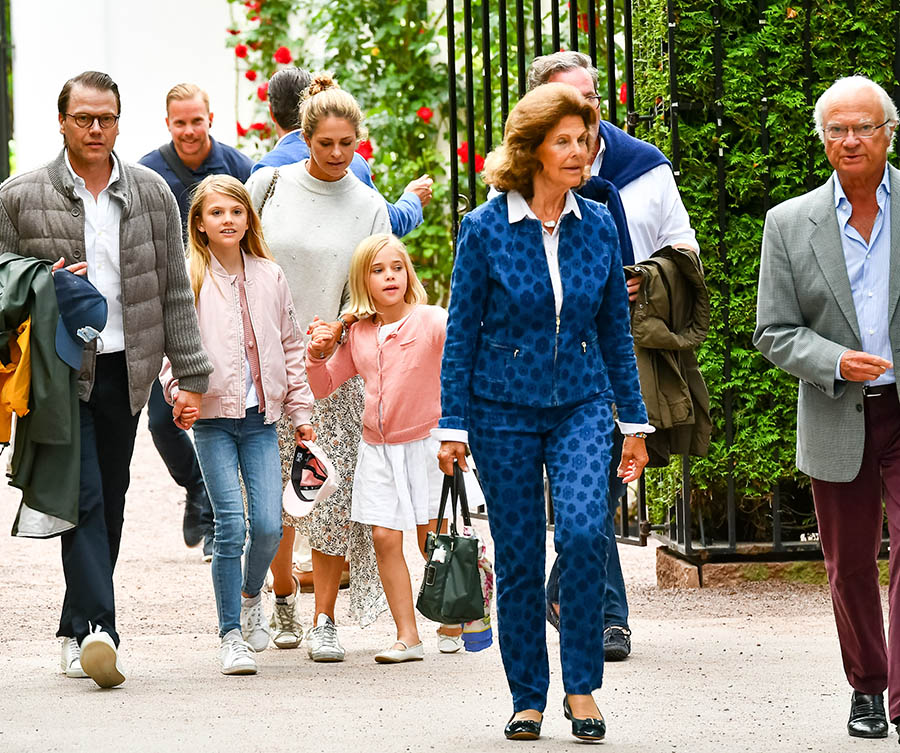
323	339
186	418
305	433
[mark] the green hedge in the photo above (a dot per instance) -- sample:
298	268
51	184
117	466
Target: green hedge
772	70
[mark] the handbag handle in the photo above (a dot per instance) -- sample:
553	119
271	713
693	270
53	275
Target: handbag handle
455	488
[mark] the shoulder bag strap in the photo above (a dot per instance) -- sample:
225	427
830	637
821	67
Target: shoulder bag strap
269	191
459	487
177	166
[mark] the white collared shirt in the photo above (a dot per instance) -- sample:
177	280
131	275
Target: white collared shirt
519	210
654	212
101	246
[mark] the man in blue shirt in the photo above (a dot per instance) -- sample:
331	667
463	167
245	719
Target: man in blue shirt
285	88
192	154
187	159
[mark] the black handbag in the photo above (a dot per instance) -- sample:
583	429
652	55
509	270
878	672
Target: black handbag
451	587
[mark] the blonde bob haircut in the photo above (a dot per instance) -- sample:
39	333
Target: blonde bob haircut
513	165
361	303
252	243
323	98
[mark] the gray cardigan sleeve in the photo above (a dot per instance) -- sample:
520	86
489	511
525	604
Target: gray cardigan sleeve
190	364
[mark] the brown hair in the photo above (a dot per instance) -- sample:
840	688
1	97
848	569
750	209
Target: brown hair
324	98
252	243
181	92
513	165
90	80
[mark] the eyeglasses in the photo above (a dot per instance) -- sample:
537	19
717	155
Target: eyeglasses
860	130
594	99
84	120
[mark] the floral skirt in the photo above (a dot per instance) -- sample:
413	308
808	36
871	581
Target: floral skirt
338	423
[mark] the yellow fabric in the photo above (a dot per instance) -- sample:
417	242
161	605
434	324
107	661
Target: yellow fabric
15	379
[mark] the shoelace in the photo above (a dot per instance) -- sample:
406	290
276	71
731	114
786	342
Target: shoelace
284	617
256	618
73	652
240	650
327	634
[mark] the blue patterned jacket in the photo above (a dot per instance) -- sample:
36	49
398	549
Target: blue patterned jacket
504	340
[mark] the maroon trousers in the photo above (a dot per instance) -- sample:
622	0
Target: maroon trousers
850	519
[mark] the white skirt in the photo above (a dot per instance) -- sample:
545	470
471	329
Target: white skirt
397	486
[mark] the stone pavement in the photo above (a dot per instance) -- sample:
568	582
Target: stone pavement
755	669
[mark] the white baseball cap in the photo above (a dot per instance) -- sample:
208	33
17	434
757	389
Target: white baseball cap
312	480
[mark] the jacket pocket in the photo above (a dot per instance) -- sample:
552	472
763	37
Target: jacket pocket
495	362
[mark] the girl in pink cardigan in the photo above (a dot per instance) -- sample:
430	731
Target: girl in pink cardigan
396	347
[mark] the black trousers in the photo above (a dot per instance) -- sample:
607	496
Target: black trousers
177	451
90	550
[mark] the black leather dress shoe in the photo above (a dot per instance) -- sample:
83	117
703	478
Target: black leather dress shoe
616	643
867	717
585	729
522	729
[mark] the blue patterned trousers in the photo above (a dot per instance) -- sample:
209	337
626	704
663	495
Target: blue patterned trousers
511	445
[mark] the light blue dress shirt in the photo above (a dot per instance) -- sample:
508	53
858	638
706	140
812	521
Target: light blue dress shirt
868	267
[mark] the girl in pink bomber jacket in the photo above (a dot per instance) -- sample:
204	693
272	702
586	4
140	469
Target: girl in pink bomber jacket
396	347
248	328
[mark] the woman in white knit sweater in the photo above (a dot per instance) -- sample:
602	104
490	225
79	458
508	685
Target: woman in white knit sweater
314	213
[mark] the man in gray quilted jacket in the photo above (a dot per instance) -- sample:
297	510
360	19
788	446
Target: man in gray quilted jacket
92	214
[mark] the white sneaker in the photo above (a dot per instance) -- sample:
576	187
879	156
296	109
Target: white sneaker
449	644
253	625
100	659
322	641
70	661
236	655
287	632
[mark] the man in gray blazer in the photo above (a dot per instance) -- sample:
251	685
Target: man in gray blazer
829	283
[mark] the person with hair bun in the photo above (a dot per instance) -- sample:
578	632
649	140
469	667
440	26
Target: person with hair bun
314	213
538	349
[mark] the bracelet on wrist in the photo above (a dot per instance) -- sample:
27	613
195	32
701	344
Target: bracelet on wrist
345	331
637	435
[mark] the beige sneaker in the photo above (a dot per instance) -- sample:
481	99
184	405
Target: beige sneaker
70	660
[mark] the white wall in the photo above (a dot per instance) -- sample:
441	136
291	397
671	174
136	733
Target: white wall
147	46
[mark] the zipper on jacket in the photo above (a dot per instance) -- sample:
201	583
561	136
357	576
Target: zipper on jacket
258	357
555	353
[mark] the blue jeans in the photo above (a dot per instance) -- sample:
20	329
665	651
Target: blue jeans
615	606
224	447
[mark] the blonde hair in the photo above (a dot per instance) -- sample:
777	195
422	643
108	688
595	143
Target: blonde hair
252	243
181	92
323	98
361	303
513	165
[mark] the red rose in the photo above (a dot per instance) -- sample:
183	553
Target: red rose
479	163
250	75
283	55
426	113
365	150
235	32
263	91
240	50
463	152
623	93
258	126
241	131
254	18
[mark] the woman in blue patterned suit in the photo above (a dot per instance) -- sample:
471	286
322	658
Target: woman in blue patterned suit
538	350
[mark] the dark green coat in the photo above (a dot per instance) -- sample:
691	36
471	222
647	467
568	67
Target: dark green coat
46	460
669	320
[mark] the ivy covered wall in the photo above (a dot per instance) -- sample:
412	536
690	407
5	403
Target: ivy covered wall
746	77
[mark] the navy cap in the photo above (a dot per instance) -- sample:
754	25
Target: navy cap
82	315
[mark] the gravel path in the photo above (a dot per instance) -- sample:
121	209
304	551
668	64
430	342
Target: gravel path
755	669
